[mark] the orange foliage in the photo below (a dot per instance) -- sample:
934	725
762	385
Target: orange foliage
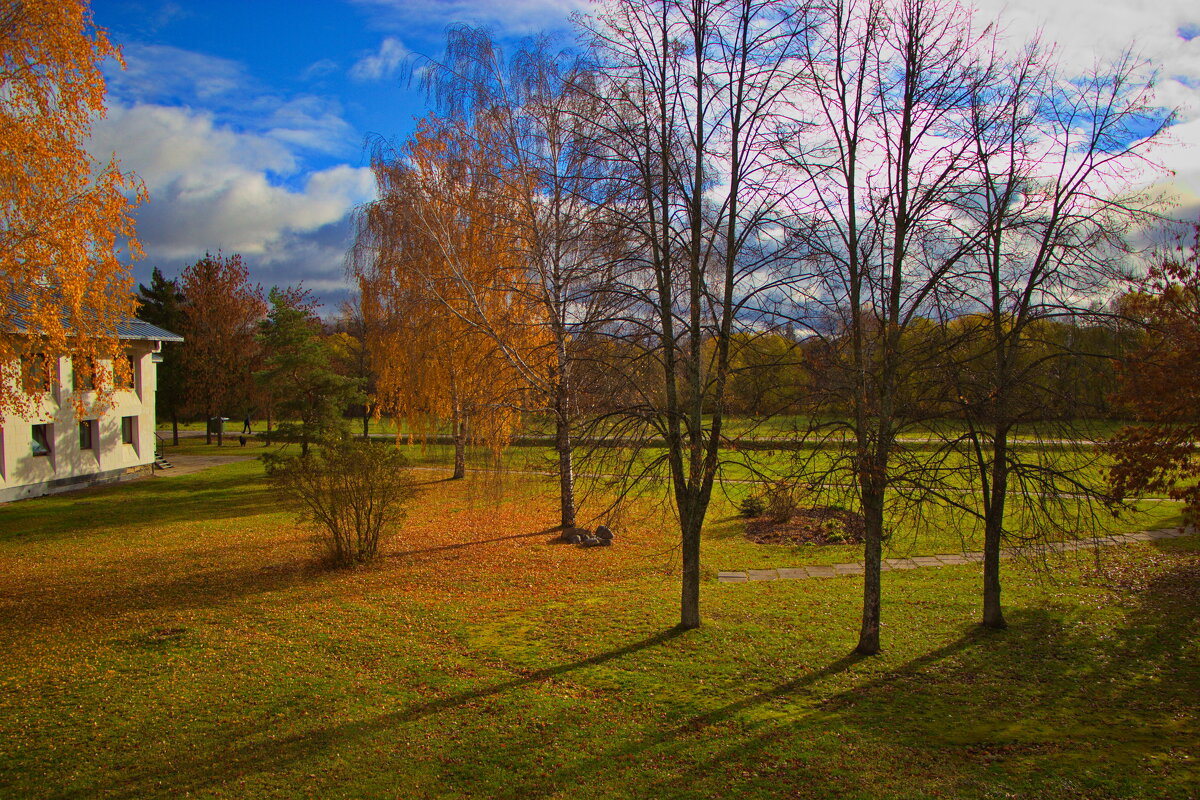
221	311
63	287
442	290
1162	386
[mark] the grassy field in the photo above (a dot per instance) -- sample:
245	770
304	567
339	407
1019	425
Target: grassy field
175	637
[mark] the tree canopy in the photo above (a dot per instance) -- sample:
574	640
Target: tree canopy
64	285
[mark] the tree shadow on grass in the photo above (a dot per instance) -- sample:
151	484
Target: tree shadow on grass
1026	710
215	768
1049	691
474	542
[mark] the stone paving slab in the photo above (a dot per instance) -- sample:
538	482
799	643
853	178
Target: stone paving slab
941	560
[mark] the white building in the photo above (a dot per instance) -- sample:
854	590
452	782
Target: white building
52	450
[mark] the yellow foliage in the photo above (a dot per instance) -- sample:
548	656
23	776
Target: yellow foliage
443	290
63	288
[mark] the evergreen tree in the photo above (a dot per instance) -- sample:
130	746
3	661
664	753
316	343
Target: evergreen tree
299	370
161	304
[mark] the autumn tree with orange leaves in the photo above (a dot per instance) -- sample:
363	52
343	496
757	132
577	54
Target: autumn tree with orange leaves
433	262
1161	385
66	217
534	111
221	312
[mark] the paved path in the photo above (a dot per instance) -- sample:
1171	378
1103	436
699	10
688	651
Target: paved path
950	559
187	464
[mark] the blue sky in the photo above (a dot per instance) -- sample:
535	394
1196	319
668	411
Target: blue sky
247	120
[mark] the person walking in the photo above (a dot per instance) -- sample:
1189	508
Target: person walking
246	425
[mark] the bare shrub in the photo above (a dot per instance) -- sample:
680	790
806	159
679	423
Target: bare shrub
783	500
352	492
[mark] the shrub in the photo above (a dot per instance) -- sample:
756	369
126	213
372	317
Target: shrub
783	501
352	492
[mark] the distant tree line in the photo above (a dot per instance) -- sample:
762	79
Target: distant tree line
246	355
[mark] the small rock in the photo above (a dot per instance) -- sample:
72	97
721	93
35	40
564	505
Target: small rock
604	533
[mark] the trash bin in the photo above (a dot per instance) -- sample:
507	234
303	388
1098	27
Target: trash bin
217	424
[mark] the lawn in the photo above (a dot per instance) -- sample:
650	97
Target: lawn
175	637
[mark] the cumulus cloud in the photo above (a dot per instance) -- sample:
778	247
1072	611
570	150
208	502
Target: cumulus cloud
212	187
231	166
383	63
169	76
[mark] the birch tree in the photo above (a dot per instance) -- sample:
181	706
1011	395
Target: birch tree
65	217
438	278
536	114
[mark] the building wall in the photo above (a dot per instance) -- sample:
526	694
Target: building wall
68	466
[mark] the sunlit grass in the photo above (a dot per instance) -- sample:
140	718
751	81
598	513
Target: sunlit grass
175	636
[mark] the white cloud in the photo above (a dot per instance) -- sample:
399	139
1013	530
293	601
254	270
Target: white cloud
158	73
229	166
508	16
1086	35
319	69
384	63
212	187
1086	31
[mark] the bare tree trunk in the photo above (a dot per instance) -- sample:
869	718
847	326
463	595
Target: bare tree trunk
691	520
566	468
993	530
174	428
366	424
460	443
868	637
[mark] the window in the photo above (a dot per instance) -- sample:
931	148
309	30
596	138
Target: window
87	434
128	381
83	374
34	373
127	426
40	434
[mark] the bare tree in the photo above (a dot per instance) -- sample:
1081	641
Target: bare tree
1054	158
693	105
883	172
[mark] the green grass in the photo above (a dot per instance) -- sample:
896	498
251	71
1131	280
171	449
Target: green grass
174	637
928	529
